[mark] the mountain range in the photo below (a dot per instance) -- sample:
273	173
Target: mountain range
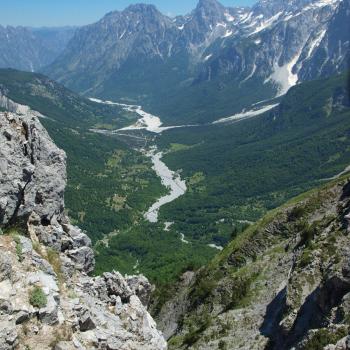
233	56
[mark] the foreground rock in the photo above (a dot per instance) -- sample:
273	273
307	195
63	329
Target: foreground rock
47	299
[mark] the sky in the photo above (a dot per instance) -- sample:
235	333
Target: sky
53	13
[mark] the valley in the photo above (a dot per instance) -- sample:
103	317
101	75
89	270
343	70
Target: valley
188	169
112	184
213	224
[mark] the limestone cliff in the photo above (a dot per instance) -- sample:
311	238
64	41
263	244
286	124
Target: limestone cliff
47	299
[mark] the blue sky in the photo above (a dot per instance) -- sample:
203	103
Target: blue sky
39	13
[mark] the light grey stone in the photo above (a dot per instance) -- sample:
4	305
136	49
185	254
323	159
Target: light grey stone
140	286
102	312
65	345
5	267
86	322
31	152
49	313
83	259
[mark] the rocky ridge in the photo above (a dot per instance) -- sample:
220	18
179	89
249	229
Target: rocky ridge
282	284
47	299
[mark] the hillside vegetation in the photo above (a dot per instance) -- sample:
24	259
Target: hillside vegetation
236	172
282	283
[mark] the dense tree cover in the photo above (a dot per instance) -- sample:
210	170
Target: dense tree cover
147	248
58	103
251	166
234	172
178	99
109	185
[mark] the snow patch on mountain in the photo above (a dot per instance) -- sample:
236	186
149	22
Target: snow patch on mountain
229	17
246	114
227	34
284	76
315	43
267	23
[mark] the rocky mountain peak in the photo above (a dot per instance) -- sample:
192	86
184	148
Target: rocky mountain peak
209	4
136	17
209	9
272	7
142	8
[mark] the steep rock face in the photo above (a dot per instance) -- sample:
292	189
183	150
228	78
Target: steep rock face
139	31
283	284
333	51
273	42
33	172
47	300
14	107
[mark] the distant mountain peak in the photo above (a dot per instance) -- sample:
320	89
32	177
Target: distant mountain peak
143	8
209	6
209	3
209	12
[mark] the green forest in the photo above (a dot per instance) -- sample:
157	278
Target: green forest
234	172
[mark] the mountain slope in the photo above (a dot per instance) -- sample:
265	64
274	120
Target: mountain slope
32	48
283	283
57	102
333	52
235	172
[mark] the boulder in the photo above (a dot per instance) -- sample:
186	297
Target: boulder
5	307
49	313
22	316
83	259
117	285
8	336
79	238
140	286
86	322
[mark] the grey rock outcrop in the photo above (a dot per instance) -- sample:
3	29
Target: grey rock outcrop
47	299
33	172
283	284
